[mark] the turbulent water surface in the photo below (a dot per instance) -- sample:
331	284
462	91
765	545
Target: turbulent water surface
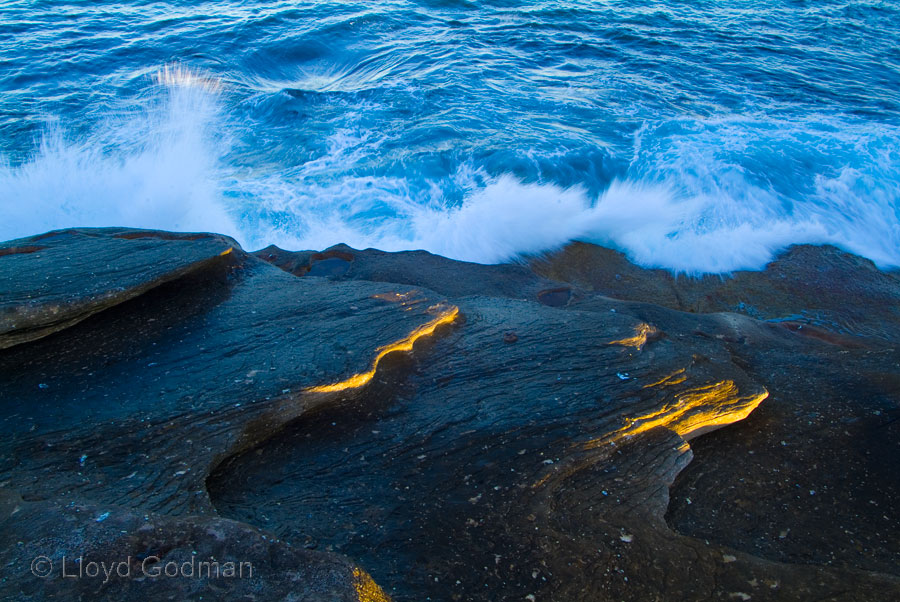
695	135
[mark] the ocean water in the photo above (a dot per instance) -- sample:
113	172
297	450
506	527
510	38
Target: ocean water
695	135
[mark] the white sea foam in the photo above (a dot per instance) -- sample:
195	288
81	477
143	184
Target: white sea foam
687	203
152	168
652	224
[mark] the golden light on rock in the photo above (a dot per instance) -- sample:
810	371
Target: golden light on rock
689	414
692	412
406	344
642	334
675	378
366	588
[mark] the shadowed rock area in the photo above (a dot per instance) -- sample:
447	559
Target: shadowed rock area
463	432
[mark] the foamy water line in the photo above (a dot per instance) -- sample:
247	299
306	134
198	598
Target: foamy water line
697	196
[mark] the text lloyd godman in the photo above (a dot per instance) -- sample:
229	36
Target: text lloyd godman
80	568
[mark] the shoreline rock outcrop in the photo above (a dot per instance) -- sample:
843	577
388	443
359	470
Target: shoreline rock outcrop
461	431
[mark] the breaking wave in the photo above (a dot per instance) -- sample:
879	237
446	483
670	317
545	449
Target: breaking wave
696	195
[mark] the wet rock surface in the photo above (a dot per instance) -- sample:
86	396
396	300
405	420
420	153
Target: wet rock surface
832	293
55	280
812	472
464	432
85	552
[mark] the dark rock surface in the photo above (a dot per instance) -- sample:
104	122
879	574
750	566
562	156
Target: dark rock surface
817	479
417	268
464	432
47	286
94	552
833	293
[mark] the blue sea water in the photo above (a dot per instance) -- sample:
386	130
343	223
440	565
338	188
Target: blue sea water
695	135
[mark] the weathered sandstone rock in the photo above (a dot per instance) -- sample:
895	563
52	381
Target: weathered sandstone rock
464	432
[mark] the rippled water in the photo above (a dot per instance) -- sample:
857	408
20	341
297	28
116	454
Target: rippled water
693	135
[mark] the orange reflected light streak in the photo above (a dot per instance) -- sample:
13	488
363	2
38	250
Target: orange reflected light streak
693	412
639	339
675	378
358	380
366	588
